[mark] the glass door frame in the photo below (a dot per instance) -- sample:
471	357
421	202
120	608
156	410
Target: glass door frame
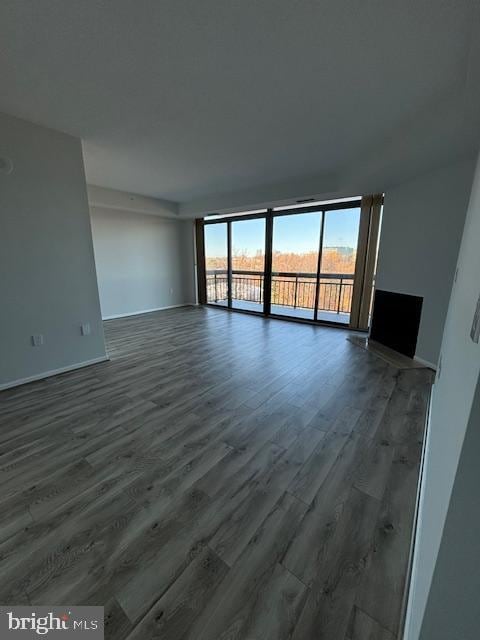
370	207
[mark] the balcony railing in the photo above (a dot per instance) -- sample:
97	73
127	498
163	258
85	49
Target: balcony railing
296	290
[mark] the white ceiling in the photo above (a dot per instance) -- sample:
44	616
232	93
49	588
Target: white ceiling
191	101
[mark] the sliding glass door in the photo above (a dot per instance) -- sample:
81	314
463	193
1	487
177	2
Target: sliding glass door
314	263
337	265
295	253
248	264
216	263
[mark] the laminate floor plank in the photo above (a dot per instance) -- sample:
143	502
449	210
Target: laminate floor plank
171	617
221	476
312	474
382	587
258	598
305	555
332	592
363	627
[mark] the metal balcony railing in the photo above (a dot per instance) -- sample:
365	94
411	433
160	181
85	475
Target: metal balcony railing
289	289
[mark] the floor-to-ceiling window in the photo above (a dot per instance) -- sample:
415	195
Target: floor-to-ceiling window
308	263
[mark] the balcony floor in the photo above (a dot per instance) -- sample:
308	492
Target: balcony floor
280	310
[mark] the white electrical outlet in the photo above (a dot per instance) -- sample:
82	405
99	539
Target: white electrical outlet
85	329
37	340
171	291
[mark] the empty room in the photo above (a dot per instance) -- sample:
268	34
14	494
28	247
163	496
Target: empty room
240	319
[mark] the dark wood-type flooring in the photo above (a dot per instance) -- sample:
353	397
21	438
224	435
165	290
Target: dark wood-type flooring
223	476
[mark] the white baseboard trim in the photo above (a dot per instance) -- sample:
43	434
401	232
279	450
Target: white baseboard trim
426	363
139	313
52	372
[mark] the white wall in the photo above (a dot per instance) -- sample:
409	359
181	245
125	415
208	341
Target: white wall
144	262
452	399
421	232
453	611
48	284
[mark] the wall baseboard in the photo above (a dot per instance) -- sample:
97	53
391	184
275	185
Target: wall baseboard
86	363
428	364
52	372
139	313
